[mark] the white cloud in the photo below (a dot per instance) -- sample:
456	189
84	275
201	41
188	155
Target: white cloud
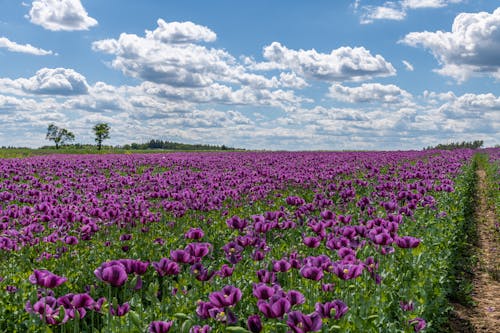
291	80
471	48
181	32
26	48
55	81
369	93
389	11
56	15
417	4
342	64
408	66
397	10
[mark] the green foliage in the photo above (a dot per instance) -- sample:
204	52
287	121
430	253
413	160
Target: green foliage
458	145
59	135
101	132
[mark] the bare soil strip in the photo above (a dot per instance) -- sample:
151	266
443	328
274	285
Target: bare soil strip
485	315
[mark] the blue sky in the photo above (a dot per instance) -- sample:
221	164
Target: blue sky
262	74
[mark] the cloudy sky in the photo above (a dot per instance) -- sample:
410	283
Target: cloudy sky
260	74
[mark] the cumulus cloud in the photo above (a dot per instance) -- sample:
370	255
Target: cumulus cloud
180	32
388	11
342	64
169	55
26	48
471	48
57	15
56	81
369	93
397	10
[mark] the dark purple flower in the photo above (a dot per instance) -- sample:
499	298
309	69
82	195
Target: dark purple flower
347	271
325	310
281	265
266	276
46	279
295	297
166	267
311	273
225	271
228	296
406	306
275	307
201	273
419	324
301	323
407	242
198	250
180	256
202	309
236	222
262	291
254	324
194	233
312	242
160	326
112	272
120	310
200	329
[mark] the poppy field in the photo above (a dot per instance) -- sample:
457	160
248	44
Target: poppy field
232	242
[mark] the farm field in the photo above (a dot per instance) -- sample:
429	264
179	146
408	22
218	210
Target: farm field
235	242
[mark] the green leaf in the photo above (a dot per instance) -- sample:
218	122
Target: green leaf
237	329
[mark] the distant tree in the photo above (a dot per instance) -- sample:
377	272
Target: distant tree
59	135
101	132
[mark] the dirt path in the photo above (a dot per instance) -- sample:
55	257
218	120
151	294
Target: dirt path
485	316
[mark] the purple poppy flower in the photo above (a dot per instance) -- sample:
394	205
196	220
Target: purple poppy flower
236	222
347	271
275	308
225	271
201	273
200	329
325	309
407	242
312	242
198	250
312	273
228	296
254	324
281	265
120	310
160	326
180	256
262	291
301	323
46	279
194	233
134	266
406	306
266	276
419	324
295	297
166	267
112	272
202	309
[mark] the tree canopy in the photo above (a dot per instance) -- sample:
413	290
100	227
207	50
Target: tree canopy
101	132
59	135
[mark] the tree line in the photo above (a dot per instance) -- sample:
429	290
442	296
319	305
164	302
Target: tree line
458	145
62	136
169	145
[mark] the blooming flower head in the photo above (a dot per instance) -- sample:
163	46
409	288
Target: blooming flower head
302	323
254	324
46	279
112	272
418	324
160	326
228	296
166	267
